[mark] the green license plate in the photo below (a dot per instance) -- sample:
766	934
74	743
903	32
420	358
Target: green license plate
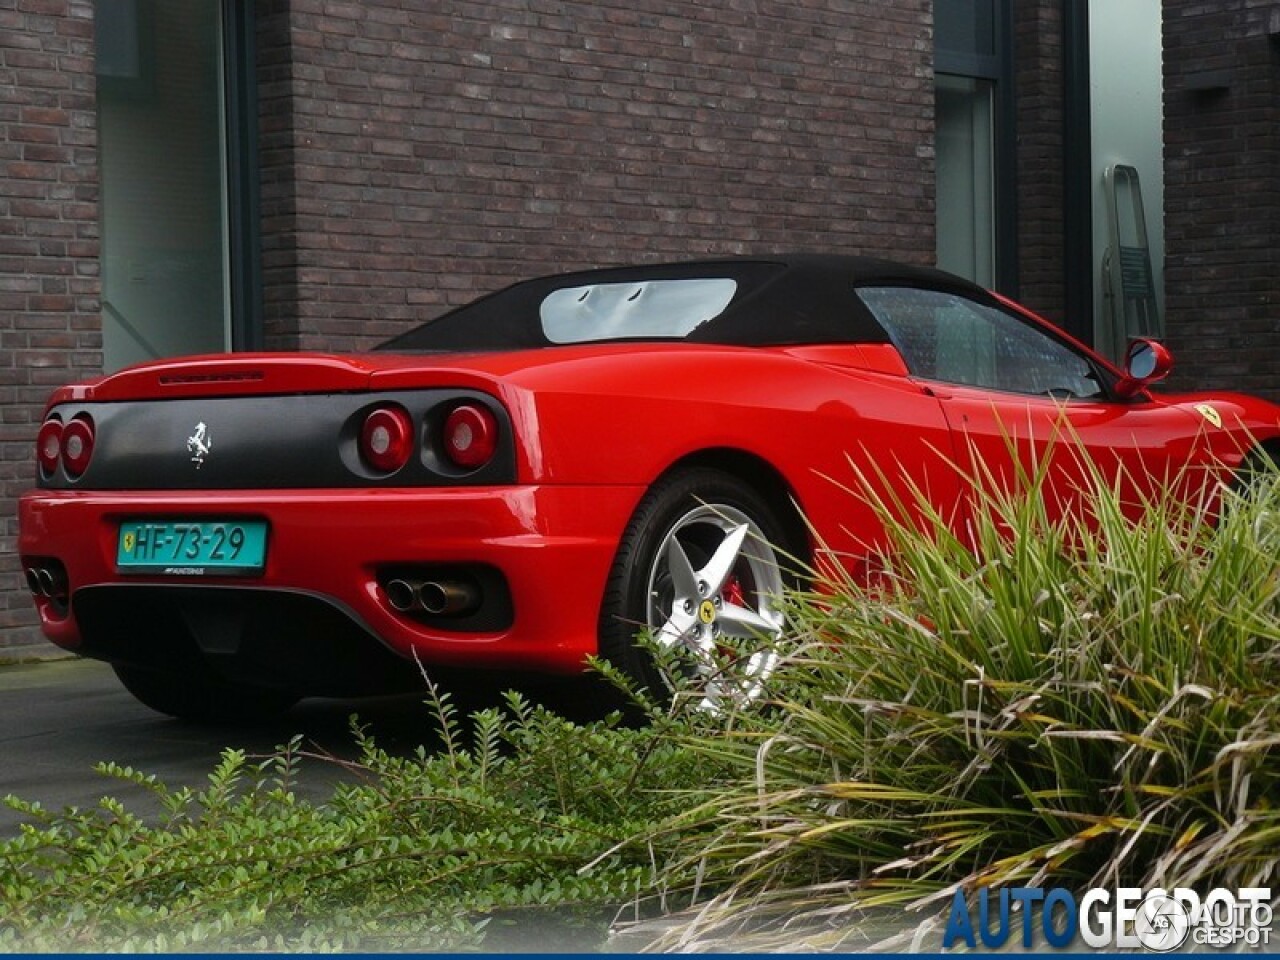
192	548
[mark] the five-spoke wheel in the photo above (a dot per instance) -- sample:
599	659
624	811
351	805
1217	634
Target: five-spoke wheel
699	567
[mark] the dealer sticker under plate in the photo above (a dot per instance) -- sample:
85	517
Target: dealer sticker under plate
192	548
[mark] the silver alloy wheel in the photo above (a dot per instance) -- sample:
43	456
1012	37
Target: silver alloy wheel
712	587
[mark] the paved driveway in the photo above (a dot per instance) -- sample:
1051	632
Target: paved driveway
59	718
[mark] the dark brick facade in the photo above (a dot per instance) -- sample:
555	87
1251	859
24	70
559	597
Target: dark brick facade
419	154
1222	192
1040	118
276	91
50	330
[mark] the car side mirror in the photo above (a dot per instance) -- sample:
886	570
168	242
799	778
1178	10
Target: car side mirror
1145	362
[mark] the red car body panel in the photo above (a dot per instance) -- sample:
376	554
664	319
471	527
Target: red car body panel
594	426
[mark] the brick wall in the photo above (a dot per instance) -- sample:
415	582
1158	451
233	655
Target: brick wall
276	156
1038	82
1222	192
416	154
49	289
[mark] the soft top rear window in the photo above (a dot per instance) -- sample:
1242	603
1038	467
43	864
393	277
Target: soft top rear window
648	309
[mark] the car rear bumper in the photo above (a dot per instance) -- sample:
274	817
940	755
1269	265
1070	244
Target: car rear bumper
549	549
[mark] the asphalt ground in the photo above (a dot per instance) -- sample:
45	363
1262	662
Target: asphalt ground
59	718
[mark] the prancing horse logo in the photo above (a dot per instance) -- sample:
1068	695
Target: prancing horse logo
199	444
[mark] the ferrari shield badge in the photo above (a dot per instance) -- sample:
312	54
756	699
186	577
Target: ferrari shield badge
199	444
1210	413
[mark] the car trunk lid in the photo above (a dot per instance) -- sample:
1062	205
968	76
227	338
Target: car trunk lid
242	374
279	374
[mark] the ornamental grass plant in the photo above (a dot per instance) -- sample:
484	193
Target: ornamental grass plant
1082	701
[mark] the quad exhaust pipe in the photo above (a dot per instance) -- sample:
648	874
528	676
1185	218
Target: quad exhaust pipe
47	581
440	598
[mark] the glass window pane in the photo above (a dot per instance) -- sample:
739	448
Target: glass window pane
645	308
966	178
161	126
965	26
950	338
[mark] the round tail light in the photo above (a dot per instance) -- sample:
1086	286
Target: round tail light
386	440
49	446
470	436
77	446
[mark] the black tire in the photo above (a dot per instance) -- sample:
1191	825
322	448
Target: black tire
628	609
201	698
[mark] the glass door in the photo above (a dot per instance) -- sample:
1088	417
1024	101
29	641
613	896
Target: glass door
162	153
966	178
973	101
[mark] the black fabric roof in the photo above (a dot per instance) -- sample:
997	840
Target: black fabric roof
796	299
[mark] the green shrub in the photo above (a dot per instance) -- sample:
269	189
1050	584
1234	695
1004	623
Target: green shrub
433	852
1074	703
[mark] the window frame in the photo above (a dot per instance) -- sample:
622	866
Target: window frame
243	176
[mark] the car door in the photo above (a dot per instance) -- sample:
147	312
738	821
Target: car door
1016	396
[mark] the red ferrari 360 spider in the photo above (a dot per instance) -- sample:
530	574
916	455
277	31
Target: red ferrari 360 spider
537	476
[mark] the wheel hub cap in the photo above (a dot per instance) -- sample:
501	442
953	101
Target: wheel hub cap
712	587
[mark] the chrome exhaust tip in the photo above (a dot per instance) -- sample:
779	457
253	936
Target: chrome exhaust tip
47	578
402	595
48	583
448	597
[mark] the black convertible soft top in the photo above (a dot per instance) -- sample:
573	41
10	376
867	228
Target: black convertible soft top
779	300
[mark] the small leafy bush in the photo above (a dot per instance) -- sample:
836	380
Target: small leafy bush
523	818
